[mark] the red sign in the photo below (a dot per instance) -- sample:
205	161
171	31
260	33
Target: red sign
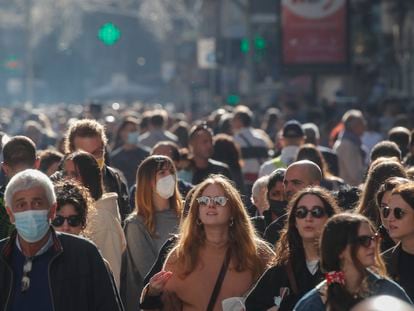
314	32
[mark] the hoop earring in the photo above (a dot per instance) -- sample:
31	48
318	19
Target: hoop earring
198	222
231	222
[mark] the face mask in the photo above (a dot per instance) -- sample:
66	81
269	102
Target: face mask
101	162
132	138
32	225
278	207
185	175
166	186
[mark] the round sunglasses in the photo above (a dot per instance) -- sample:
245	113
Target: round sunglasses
219	200
73	220
398	212
365	240
316	212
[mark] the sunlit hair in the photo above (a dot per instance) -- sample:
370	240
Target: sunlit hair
311	153
89	172
145	178
339	232
73	193
379	172
84	128
29	179
129	120
247	250
19	150
289	248
406	191
389	185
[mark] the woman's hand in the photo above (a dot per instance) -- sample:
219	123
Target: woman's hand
157	282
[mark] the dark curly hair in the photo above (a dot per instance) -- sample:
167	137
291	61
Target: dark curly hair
73	193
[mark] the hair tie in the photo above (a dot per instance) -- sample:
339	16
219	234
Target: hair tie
335	277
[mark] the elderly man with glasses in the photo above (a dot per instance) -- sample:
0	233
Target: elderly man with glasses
44	270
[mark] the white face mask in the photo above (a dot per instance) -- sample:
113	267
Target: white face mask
166	186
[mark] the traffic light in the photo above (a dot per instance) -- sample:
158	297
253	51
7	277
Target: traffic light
233	99
109	34
245	45
259	46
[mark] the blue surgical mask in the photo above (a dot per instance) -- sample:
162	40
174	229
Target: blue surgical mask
132	138
185	175
31	225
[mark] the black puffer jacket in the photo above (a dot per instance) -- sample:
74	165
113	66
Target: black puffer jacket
79	278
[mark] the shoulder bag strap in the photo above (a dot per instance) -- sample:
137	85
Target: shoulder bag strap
219	281
292	279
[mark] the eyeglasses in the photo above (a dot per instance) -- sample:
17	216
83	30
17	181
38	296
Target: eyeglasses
205	200
73	220
316	212
365	240
27	268
398	212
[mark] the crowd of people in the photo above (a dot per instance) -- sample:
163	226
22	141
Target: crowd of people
151	212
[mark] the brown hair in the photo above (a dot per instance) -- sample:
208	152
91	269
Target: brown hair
339	232
145	177
289	248
84	128
247	250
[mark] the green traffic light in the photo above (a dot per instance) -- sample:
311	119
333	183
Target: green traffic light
109	34
259	43
233	100
245	45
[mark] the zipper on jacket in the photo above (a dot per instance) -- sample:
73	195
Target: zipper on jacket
48	276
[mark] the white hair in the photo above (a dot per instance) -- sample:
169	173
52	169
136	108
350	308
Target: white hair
258	185
28	179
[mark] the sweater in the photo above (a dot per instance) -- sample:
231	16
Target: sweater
141	252
192	293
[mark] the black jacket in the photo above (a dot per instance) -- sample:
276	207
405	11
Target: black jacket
78	277
114	183
399	270
269	286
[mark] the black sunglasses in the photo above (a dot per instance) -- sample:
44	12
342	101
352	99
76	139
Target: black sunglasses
73	220
398	212
316	212
365	240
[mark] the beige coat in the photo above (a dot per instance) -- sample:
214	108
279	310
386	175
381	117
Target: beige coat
105	230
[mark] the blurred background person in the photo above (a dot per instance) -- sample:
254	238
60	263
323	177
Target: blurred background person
127	154
49	161
311	153
227	151
351	153
156	130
